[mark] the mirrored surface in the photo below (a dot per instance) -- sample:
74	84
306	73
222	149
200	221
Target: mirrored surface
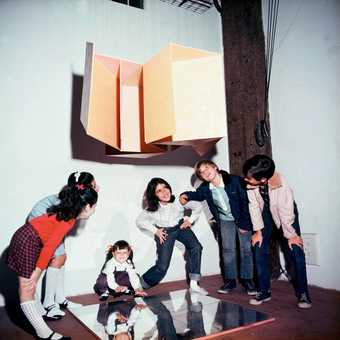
179	314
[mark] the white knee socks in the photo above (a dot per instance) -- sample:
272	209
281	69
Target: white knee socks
34	317
51	286
60	292
40	307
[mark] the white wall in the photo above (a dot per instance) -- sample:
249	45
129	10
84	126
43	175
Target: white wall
42	47
305	121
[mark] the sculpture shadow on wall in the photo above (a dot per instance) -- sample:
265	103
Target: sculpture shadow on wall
87	148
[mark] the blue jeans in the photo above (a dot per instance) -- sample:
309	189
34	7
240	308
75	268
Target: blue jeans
229	232
164	252
296	257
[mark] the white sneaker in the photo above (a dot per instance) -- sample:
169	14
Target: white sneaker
53	312
199	290
69	304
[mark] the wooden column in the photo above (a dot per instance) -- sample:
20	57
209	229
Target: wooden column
245	78
245	81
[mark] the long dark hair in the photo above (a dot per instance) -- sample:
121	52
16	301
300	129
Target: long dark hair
151	200
72	201
121	244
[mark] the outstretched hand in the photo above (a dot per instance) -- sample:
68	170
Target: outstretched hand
183	199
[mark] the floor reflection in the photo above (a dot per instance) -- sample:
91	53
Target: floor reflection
176	315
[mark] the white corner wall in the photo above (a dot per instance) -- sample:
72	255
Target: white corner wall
305	122
42	47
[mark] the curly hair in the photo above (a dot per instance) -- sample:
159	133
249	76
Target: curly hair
72	201
151	200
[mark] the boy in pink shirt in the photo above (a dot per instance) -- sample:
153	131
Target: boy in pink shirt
271	204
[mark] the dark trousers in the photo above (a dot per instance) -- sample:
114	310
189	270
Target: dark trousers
229	233
165	324
164	252
296	256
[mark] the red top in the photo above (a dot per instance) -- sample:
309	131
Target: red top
51	233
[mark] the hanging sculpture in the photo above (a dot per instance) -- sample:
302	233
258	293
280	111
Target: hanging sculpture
175	99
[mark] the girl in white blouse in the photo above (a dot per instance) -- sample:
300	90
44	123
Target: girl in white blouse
164	217
118	274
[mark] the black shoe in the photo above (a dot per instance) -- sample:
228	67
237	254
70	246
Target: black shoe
69	304
248	286
104	296
50	337
304	301
228	286
260	298
51	318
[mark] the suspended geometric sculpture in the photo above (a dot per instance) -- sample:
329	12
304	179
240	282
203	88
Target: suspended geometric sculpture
175	99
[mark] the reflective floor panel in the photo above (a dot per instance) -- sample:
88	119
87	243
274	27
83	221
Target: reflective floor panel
177	315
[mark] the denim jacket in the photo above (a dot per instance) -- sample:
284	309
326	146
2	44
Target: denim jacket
238	200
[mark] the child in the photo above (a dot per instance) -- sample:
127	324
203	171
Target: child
165	219
271	203
32	247
118	274
119	318
54	289
227	200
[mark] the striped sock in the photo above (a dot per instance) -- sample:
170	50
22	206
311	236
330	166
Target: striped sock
32	314
34	317
40	307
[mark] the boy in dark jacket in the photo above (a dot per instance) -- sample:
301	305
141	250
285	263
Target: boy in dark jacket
227	200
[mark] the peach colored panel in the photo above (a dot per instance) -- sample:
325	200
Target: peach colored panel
179	52
199	100
111	63
131	109
130	81
158	97
103	120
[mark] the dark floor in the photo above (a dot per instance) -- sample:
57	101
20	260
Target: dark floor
320	322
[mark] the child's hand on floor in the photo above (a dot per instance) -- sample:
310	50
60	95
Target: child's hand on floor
121	289
139	292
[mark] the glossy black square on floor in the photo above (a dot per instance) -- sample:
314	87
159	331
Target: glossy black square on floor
179	314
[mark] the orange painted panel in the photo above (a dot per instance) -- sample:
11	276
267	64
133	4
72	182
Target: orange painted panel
158	98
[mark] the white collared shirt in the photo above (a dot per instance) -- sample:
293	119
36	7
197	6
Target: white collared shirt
113	265
168	215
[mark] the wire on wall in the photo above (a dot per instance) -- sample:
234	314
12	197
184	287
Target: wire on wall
261	129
